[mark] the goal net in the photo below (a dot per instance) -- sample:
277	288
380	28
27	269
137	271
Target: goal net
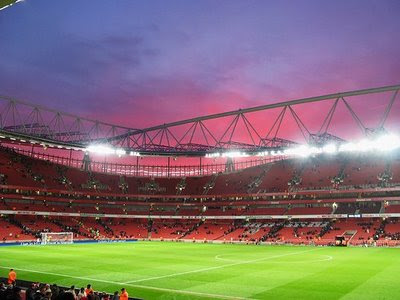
57	238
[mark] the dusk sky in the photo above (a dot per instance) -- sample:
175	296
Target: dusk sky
141	63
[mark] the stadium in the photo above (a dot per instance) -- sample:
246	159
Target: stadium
293	198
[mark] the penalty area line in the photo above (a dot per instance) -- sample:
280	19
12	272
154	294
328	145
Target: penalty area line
185	292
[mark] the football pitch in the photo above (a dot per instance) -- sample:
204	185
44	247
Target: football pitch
168	270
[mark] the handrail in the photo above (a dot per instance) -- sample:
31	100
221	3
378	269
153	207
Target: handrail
138	170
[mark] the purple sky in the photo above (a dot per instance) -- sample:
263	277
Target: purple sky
141	63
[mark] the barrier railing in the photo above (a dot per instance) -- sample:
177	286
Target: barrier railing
147	170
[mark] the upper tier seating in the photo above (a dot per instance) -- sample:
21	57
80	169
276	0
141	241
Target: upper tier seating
311	173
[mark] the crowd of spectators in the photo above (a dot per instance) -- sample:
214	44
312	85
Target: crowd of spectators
382	232
41	291
9	290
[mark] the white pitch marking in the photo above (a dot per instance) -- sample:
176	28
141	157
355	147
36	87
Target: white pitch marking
218	257
61	275
219	267
133	285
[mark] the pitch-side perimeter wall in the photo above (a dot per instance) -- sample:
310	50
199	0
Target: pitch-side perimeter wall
252	217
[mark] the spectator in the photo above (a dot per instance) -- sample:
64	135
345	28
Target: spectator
66	296
90	296
47	295
123	295
12	276
30	292
88	289
96	296
82	294
105	296
47	288
55	291
2	290
40	293
72	291
115	296
8	291
14	293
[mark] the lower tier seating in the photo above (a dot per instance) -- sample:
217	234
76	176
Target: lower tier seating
323	232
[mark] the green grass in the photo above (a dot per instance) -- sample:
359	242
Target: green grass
162	270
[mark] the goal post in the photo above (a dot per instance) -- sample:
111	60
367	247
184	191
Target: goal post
56	238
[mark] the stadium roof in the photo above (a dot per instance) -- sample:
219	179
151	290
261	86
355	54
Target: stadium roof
236	130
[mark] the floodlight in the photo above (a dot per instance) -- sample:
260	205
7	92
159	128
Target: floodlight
348	147
120	152
233	154
263	153
212	155
365	145
303	150
289	151
100	149
330	149
387	142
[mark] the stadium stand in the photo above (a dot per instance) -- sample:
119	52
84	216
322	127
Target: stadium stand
250	205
